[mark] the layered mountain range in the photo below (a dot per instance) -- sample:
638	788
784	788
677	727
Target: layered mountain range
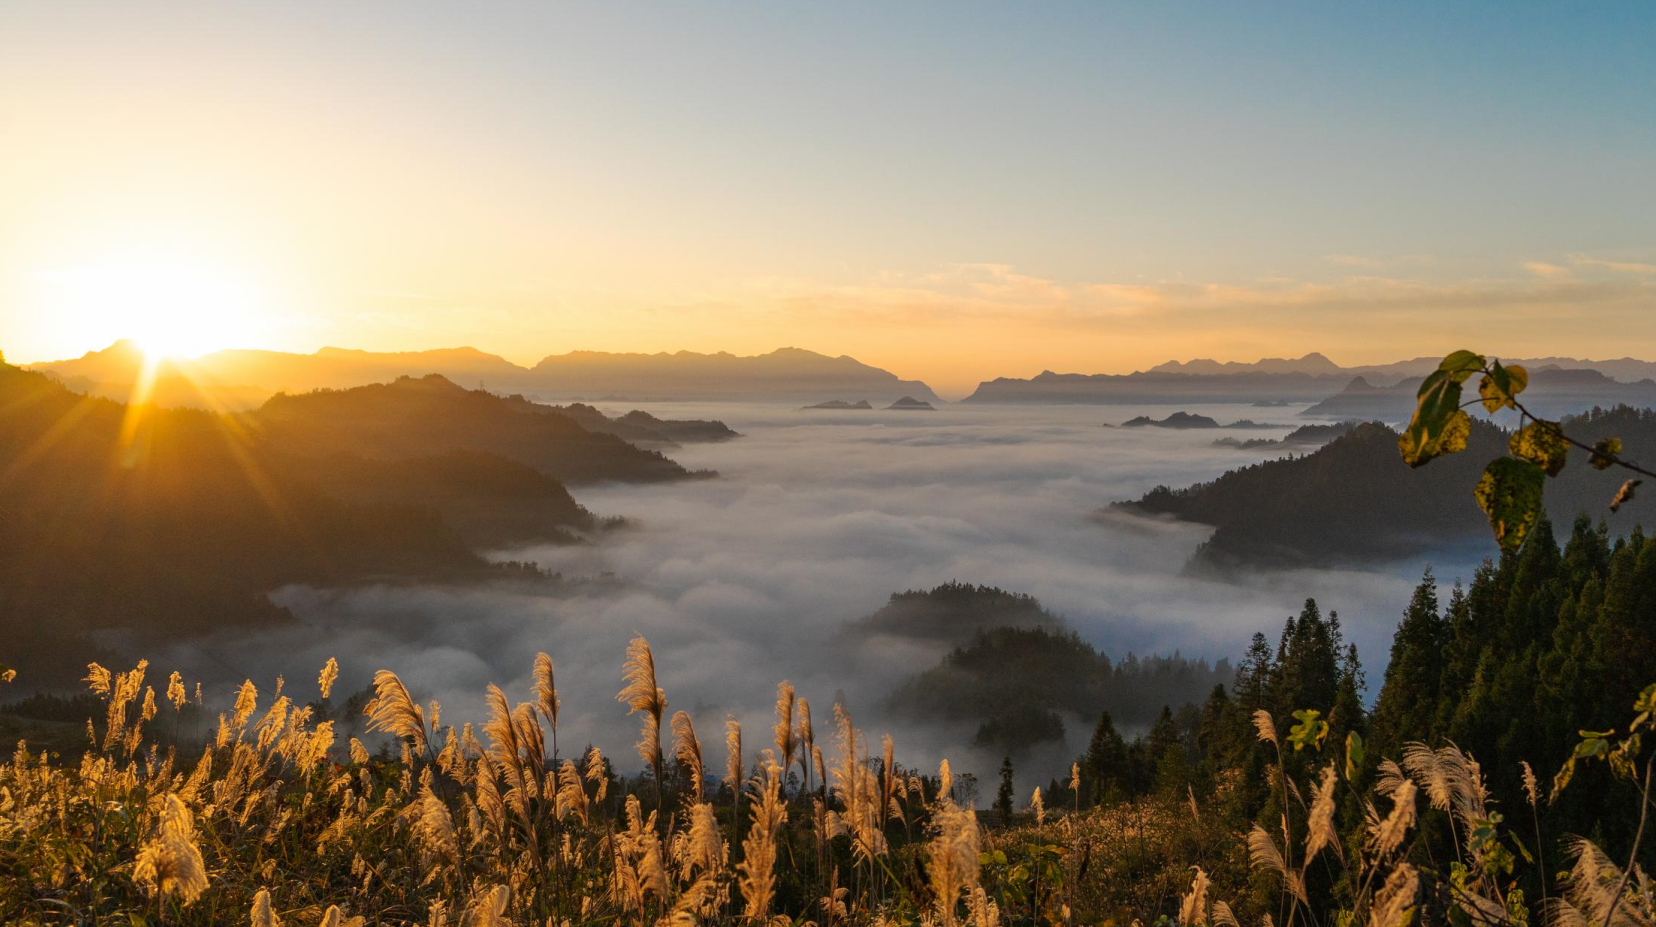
1378	391
180	521
237	379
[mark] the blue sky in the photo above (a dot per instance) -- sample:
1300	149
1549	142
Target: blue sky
850	177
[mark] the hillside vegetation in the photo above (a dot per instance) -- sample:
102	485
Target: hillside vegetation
1354	500
180	521
1281	800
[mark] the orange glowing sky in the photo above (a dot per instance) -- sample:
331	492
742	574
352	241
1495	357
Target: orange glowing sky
953	192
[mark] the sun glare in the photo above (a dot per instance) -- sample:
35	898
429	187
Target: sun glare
170	307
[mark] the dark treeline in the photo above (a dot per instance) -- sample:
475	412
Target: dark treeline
178	521
1355	500
1540	646
1018	683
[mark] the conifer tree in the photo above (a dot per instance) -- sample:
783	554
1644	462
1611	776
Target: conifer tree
1004	795
1104	765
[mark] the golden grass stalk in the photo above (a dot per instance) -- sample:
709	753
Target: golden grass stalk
806	738
488	908
786	743
170	863
1394	902
333	917
1266	728
1385	836
641	694
546	695
952	859
688	751
330	675
757	872
1263	854
263	915
394	711
1320	825
571	797
433	827
1193	907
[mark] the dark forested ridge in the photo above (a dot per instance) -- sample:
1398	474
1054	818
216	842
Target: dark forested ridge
179	521
1355	500
1015	669
635	427
412	417
952	613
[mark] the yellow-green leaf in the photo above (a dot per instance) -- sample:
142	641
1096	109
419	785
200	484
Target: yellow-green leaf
1624	494
1542	444
1461	364
1427	438
1510	494
1605	452
1500	384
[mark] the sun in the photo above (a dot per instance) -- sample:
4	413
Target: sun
171	306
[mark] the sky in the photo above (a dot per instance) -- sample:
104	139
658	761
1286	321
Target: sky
951	191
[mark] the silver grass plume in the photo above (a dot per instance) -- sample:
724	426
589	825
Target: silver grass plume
641	694
1320	827
393	710
688	751
786	743
1193	907
546	695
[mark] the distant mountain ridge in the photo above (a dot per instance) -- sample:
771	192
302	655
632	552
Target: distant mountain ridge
1274	381
244	378
1552	392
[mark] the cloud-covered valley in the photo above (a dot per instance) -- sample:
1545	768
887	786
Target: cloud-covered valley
818	517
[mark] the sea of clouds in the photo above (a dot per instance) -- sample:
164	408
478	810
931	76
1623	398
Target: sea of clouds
816	519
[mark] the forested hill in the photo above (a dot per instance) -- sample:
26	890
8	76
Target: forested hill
412	417
178	521
1018	684
1354	499
637	427
1015	672
952	613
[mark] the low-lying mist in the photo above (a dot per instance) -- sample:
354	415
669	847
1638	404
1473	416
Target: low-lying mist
818	517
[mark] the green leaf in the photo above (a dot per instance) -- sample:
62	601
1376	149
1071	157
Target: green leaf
1500	384
1310	732
1542	444
1624	494
1439	426
1605	452
1356	755
1510	494
1462	364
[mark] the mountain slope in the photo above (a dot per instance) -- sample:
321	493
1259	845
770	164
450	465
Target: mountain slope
431	415
168	521
1354	500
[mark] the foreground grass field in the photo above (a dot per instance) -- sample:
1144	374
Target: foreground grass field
278	822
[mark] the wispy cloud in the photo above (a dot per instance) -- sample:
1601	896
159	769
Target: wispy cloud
1621	267
1548	271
